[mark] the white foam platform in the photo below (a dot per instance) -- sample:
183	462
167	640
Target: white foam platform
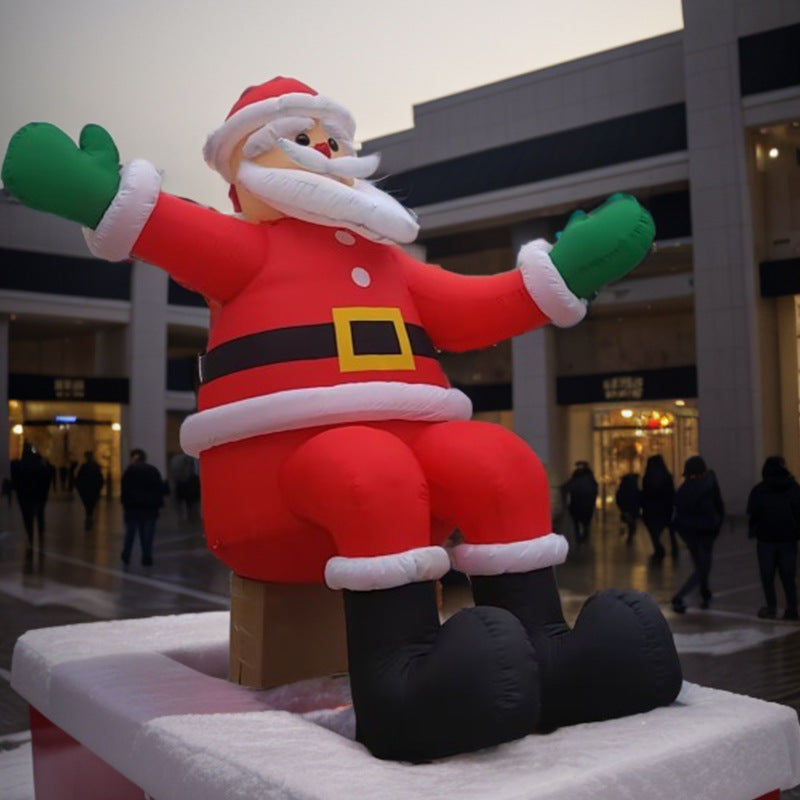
149	697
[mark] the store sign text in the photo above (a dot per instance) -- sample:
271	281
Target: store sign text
623	387
69	388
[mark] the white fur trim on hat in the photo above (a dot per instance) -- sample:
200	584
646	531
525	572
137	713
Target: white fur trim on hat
386	572
321	405
128	213
220	145
497	559
546	286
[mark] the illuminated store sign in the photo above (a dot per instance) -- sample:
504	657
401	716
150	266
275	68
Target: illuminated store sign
646	384
623	387
22	386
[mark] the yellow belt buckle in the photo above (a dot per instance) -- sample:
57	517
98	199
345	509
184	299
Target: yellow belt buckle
349	360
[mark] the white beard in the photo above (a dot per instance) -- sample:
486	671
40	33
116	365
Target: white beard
362	207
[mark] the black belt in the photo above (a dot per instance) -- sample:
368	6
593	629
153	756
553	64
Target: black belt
365	340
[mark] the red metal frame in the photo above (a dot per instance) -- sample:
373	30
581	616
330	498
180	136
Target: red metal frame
63	767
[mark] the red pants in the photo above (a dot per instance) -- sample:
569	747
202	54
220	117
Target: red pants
277	507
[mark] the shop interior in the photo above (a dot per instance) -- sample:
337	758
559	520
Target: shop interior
63	431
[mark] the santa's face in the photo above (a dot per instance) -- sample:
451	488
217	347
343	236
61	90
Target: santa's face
317	138
254	205
312	174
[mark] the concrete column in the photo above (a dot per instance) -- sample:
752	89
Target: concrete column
729	380
536	415
5	470
533	391
100	352
147	365
789	384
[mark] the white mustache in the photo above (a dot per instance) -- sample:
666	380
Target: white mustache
309	196
343	167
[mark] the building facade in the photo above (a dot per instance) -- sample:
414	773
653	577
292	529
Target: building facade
696	351
93	356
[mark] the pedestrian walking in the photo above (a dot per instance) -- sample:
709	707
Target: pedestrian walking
629	500
658	497
184	479
63	477
699	512
773	508
30	479
142	497
89	483
581	491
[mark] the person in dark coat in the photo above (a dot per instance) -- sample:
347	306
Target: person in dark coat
89	483
63	477
699	512
581	491
30	478
629	500
184	479
142	497
773	508
658	496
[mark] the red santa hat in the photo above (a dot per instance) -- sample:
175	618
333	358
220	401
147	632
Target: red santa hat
261	105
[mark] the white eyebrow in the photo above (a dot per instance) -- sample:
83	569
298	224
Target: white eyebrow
338	133
266	137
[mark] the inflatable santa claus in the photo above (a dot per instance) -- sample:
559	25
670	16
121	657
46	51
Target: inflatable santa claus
332	446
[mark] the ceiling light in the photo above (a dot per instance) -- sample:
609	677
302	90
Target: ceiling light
774	152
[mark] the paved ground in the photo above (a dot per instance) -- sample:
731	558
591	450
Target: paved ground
80	578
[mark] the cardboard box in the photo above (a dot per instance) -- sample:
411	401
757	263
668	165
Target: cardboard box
281	633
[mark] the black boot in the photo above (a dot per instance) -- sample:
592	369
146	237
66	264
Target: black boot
620	658
423	691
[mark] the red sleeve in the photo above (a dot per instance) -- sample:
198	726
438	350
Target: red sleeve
467	312
203	250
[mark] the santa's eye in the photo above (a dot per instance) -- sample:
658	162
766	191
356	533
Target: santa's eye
302	138
333	144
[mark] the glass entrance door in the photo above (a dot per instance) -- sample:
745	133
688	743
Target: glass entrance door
625	436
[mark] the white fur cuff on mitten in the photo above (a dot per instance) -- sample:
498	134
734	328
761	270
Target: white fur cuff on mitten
114	238
546	286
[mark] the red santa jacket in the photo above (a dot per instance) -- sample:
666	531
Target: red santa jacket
315	325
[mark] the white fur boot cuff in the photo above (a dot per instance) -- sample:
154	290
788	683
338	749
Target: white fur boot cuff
386	572
497	559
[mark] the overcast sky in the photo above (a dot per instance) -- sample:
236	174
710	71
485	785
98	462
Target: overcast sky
162	74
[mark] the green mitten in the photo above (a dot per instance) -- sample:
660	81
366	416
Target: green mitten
45	170
600	247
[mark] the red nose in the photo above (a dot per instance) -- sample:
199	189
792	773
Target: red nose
324	148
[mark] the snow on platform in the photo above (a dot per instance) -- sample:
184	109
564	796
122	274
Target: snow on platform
149	696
